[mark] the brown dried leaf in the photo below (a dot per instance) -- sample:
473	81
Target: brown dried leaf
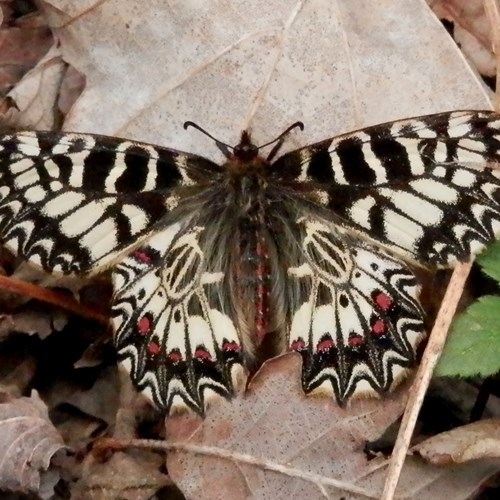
278	440
469	442
28	441
124	476
37	93
32	321
472	30
23	42
99	401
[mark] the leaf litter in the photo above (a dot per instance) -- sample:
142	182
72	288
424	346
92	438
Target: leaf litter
273	83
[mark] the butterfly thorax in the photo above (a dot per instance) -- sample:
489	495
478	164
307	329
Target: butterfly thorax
246	177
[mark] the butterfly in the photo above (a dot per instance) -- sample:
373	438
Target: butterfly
310	252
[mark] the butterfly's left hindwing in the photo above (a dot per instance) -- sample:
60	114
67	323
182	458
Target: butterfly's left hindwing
173	330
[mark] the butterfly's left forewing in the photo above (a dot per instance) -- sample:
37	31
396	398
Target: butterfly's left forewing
426	188
75	203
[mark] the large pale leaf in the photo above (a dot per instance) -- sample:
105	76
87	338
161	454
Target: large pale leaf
229	65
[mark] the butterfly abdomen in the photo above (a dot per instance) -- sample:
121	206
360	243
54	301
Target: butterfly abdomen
253	271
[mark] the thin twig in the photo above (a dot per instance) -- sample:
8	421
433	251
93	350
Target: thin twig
493	14
418	389
51	297
244	458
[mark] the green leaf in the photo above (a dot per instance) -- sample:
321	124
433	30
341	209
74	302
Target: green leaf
489	261
473	346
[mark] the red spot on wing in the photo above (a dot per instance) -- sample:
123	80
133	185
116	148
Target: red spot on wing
325	344
383	300
142	256
153	348
175	356
144	325
379	327
355	340
298	345
202	353
230	346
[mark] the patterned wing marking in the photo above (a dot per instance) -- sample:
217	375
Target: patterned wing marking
427	188
357	320
73	203
172	331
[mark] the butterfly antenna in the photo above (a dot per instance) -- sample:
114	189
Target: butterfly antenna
225	148
280	139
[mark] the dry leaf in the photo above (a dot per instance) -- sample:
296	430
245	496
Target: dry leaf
23	42
278	440
472	30
28	441
277	443
32	321
36	94
334	65
100	400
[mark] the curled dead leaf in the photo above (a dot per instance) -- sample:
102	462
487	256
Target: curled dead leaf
28	442
469	442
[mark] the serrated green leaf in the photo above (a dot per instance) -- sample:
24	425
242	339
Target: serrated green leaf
489	261
473	346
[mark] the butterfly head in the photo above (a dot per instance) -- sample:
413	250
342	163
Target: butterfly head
245	155
245	151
